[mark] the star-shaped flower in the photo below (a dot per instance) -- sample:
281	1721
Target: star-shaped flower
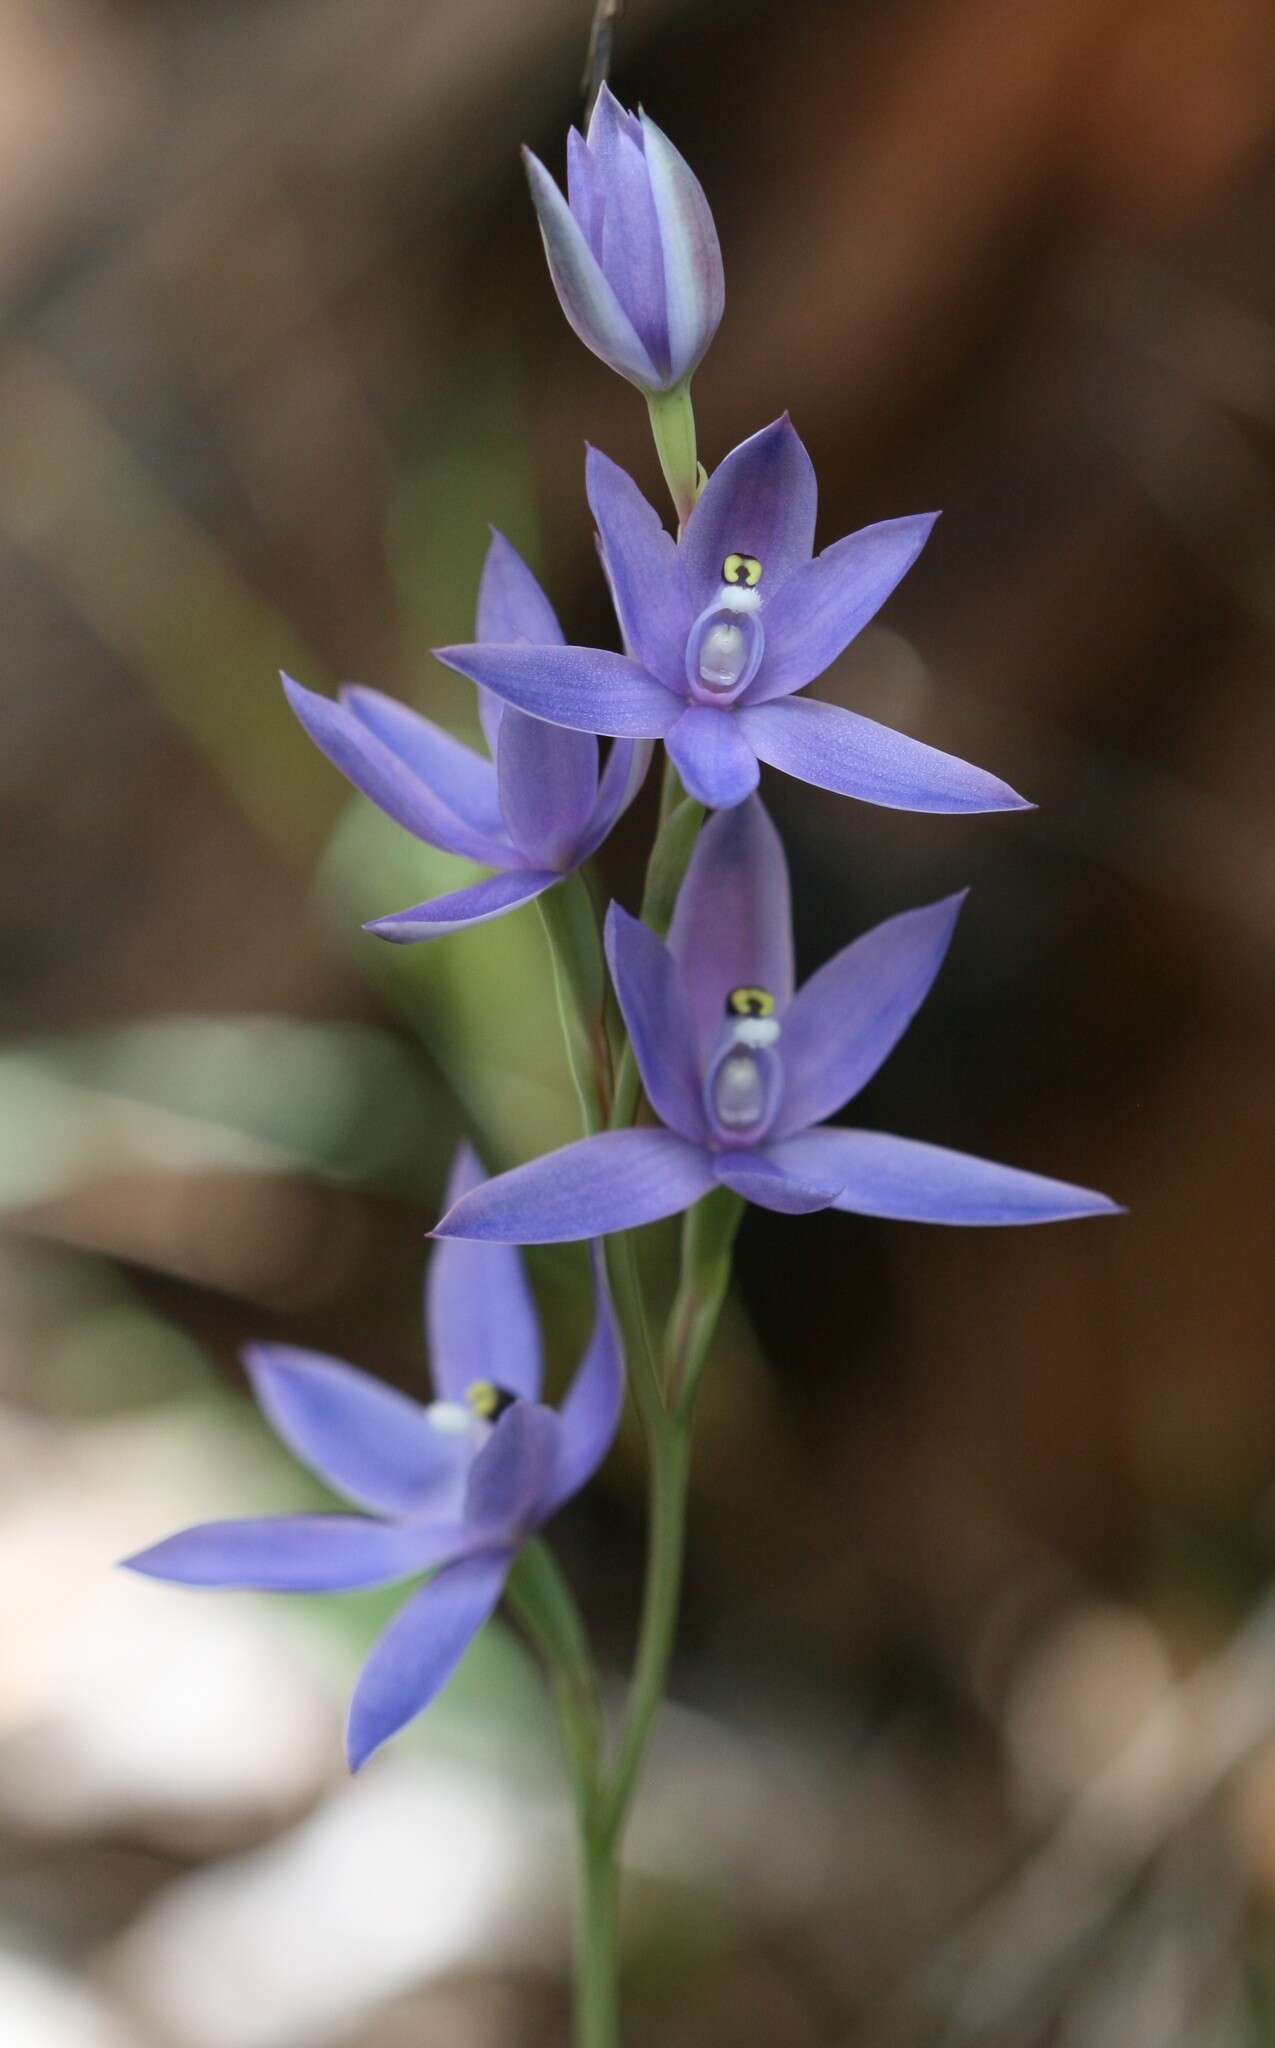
455	1487
742	1072
535	811
723	628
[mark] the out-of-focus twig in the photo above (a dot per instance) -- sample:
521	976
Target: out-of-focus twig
1170	1961
974	1983
597	63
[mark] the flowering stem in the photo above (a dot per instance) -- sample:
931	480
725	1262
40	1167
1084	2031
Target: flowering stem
671	794
665	1401
669	1442
597	2013
708	1238
630	1308
673	425
708	1244
579	976
545	1606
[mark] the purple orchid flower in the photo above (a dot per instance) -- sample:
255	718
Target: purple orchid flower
723	628
632	250
741	1073
459	1485
534	812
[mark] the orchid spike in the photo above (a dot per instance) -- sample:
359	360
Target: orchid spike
723	628
632	249
741	1072
534	810
454	1488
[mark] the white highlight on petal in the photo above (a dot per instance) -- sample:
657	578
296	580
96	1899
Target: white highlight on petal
450	1418
756	1031
723	656
739	1093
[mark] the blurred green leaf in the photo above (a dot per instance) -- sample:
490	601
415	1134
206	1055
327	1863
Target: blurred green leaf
160	592
186	1094
481	1001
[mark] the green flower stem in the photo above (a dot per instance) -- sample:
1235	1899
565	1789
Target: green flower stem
708	1239
669	1449
673	425
597	2008
671	794
669	861
708	1245
546	1609
664	1391
630	1307
579	977
545	1606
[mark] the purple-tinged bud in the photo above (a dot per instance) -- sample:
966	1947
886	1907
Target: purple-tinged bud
632	250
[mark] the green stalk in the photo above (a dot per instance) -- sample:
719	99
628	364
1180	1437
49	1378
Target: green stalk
620	1250
597	2013
673	425
665	1399
708	1245
579	979
708	1238
670	1455
545	1606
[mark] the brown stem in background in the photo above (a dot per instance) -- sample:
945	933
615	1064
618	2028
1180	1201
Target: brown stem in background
597	64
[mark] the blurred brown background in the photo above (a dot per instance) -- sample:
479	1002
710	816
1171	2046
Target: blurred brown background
974	1734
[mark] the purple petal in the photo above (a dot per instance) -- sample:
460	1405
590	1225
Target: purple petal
548	787
914	1183
694	284
585	688
621	779
733	925
826	602
838	750
511	1474
850	1016
511	604
593	1403
583	195
644	570
363	1439
611	1182
760	501
660	1025
383	776
490	713
456	774
480	1316
632	253
588	300
609	116
713	758
297	1553
761	1178
477	904
420	1650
